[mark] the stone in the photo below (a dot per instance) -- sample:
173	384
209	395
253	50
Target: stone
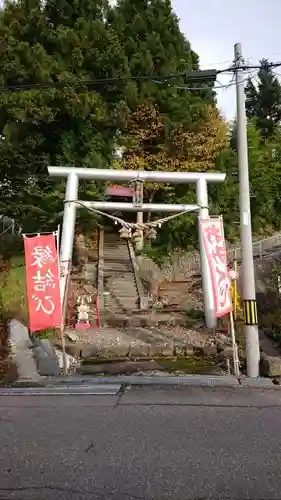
223	340
182	349
179	350
120	368
72	335
90	272
144	321
227	353
71	362
180	321
18	335
118	321
116	350
209	350
46	345
270	366
156	350
138	350
145	350
168	349
75	350
26	366
106	352
90	351
47	362
136	321
172	321
21	353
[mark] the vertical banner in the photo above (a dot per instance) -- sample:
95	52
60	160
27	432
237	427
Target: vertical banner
42	282
215	250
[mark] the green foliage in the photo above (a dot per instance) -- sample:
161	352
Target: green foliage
69	125
155	252
168	127
263	101
154	46
10	245
13	289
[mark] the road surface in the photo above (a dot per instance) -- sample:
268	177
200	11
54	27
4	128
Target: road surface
147	443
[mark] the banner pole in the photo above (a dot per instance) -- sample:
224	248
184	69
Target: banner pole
63	343
63	307
58	241
235	292
234	346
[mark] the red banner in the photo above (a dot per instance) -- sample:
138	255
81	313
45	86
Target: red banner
214	245
42	282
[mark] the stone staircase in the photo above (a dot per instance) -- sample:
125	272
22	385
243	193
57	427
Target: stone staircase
120	290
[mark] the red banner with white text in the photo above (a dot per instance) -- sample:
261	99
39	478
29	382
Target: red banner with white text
42	282
214	245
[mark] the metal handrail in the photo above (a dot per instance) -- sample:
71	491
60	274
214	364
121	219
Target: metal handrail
260	247
100	270
139	287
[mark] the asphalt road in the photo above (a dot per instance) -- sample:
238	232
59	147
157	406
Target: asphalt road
148	443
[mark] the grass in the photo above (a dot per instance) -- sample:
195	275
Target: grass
13	290
12	305
19	385
194	366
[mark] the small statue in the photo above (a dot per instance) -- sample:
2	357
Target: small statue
83	311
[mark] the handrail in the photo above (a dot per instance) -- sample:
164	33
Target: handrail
98	312
100	269
140	290
258	246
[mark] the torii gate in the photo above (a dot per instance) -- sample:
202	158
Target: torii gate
72	202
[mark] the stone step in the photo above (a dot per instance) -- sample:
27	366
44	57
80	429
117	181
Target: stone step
118	276
126	269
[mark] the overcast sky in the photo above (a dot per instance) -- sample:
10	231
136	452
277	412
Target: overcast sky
214	26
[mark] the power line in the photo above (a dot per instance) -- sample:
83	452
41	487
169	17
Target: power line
192	75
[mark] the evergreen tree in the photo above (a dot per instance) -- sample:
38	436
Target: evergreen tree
56	43
169	127
155	47
265	184
263	101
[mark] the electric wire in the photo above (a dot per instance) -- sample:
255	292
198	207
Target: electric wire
123	79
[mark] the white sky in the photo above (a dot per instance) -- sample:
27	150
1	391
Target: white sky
214	26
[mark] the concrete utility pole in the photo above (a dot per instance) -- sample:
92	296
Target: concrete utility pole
247	272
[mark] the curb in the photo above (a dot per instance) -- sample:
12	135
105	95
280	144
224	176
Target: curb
257	382
104	385
171	380
73	382
76	390
187	380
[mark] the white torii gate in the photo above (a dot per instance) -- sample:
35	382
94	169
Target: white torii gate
201	180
